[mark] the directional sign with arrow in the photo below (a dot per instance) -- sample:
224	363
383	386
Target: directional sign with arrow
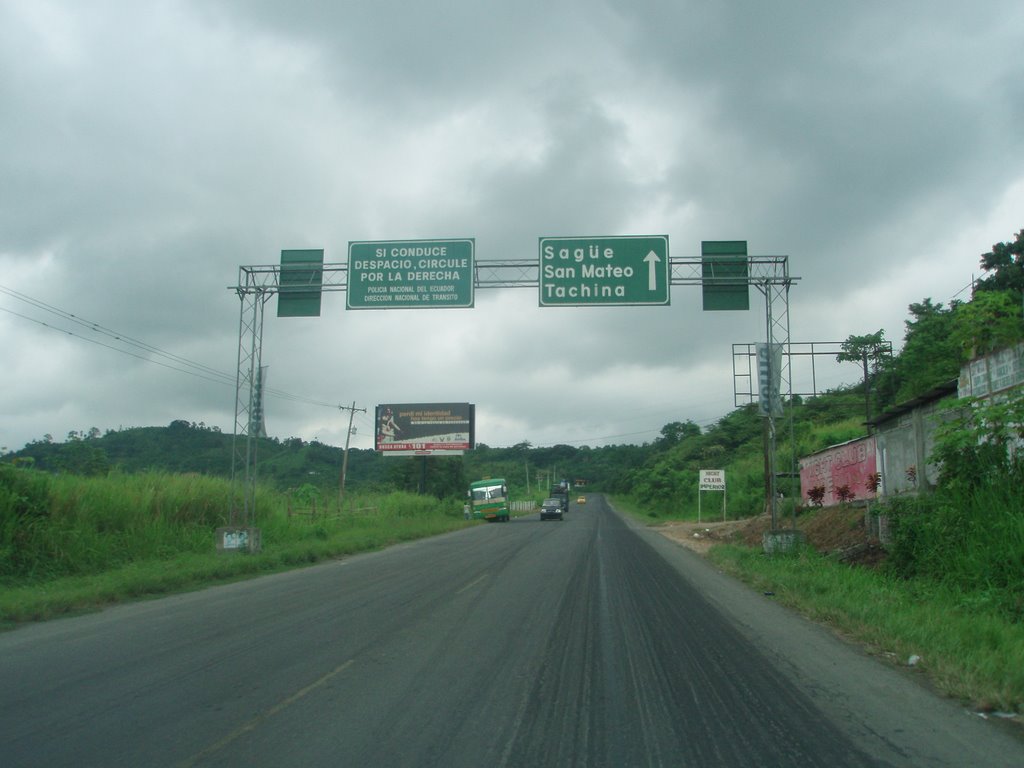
604	271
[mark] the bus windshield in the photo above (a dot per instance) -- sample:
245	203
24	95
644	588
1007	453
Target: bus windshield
487	493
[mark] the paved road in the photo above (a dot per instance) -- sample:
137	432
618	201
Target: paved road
582	643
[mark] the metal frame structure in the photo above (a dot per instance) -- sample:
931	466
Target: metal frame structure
256	284
743	353
790	350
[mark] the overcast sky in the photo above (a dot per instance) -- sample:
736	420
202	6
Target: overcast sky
149	149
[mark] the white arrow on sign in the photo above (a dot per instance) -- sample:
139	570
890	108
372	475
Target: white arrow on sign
652	274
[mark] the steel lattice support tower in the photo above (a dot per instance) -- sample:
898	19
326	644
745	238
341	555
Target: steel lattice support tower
250	355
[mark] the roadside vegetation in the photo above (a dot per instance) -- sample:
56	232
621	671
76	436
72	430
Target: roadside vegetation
949	598
70	543
964	640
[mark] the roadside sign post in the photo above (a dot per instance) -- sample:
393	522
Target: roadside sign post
711	480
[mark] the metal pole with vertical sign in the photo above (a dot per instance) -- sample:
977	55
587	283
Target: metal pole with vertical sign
769	379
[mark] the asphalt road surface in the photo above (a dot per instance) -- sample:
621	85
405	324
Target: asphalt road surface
588	642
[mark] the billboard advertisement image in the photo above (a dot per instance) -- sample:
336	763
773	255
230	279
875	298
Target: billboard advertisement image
424	429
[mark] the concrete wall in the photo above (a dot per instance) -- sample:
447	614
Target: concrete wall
903	445
994	374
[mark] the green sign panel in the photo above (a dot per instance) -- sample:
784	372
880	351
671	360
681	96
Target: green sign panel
302	277
410	274
604	271
724	274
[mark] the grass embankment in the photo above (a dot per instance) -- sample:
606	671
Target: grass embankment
954	600
969	648
70	544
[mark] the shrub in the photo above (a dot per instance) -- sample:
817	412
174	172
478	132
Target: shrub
971	540
816	495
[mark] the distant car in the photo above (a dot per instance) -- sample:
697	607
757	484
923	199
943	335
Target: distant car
581	500
551	509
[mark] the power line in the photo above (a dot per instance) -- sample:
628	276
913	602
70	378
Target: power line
969	286
176	362
112	334
116	349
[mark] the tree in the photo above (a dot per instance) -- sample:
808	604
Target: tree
79	458
931	354
1006	263
991	320
872	352
871	348
438	476
675	432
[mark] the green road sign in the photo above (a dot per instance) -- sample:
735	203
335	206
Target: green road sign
724	275
302	277
410	274
604	271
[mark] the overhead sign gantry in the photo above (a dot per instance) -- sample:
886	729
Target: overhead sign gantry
569	271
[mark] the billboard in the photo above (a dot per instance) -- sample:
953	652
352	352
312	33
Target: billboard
848	465
424	429
712	480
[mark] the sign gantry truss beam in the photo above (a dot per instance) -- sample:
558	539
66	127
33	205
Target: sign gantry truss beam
524	273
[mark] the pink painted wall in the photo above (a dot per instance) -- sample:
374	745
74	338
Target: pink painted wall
848	464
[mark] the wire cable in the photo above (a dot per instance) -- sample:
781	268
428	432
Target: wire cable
176	362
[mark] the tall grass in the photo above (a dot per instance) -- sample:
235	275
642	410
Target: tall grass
69	542
952	591
970	649
970	539
64	525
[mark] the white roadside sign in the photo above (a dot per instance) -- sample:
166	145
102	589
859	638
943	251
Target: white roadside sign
712	480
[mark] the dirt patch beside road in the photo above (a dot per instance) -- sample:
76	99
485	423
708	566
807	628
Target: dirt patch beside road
841	531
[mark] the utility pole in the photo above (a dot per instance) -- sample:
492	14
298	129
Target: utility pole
867	393
348	435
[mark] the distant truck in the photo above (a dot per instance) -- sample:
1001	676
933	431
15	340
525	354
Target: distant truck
561	492
488	499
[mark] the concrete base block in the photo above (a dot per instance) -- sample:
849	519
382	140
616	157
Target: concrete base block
230	539
783	541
